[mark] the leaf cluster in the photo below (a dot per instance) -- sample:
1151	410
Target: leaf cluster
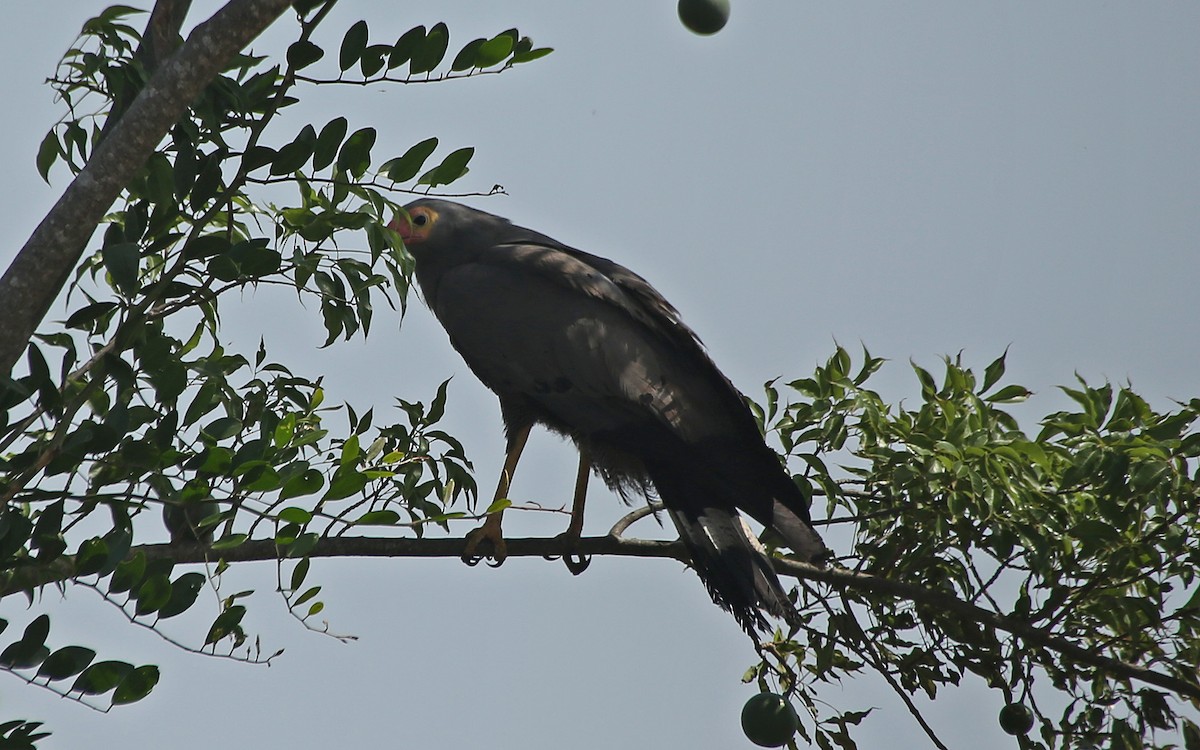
1083	532
134	420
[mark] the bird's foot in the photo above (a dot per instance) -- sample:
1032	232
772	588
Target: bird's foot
485	542
575	562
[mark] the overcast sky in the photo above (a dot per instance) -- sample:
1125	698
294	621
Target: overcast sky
922	177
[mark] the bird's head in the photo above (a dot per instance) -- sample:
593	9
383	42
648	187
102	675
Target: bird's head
415	223
430	226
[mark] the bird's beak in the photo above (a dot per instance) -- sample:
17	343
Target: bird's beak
402	226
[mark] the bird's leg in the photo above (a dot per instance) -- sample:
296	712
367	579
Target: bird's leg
577	563
490	530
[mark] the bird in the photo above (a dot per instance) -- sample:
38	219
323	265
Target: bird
590	350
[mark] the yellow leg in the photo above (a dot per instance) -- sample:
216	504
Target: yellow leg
577	563
581	483
490	531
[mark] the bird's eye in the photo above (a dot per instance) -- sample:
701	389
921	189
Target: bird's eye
420	220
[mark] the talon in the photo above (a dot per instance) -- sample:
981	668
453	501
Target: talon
577	563
486	543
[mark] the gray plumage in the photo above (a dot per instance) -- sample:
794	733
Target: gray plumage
591	350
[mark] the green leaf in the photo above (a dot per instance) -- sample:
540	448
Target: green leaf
1191	735
209	177
373	59
121	260
295	515
531	55
254	258
184	591
136	685
101	677
345	482
129	573
353	44
206	246
230	541
1009	394
328	141
91	556
222	428
309	482
83	318
431	50
297	153
47	154
299	573
257	157
260	478
118	541
499	505
304	545
379	518
49	523
465	59
284	431
306	596
304	53
66	662
350	451
226	623
31	649
355	156
152	594
404	168
993	373
452	167
494	51
21	655
160	180
404	47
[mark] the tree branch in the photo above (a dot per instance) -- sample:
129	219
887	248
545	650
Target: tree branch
41	268
844	578
181	553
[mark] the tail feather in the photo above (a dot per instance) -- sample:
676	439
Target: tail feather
728	558
751	476
797	533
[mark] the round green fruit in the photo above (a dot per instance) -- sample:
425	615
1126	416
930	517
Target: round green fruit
1016	719
769	720
704	16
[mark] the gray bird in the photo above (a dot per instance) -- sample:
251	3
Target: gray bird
589	349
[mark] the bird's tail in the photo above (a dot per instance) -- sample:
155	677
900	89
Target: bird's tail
728	558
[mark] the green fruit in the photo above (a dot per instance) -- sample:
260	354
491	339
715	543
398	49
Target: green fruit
1016	719
704	16
768	720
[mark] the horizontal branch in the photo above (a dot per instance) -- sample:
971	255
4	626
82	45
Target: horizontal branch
266	549
611	545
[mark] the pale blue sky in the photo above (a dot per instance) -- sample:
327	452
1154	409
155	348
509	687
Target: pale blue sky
923	177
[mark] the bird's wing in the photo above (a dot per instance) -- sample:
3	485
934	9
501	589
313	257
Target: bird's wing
604	280
543	326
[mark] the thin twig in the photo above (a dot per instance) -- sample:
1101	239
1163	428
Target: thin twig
868	652
153	628
637	514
